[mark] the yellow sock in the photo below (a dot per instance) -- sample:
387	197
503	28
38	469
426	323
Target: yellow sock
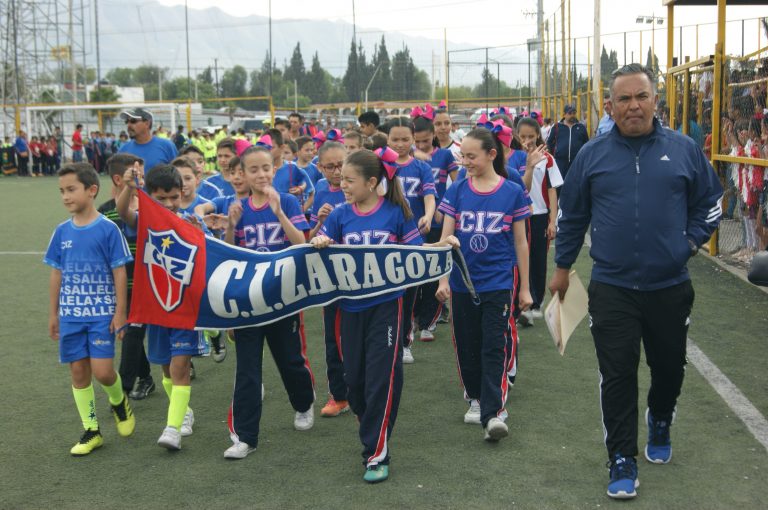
168	386
178	406
85	400
115	392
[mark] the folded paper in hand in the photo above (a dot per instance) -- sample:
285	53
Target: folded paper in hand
562	317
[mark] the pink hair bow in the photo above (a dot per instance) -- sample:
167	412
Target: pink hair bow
443	105
319	139
240	146
502	132
428	112
484	121
501	111
334	135
388	158
266	142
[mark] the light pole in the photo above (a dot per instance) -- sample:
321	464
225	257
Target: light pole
652	20
370	83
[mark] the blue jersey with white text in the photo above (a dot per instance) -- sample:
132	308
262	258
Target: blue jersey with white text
418	182
484	229
86	257
260	230
384	224
330	195
512	176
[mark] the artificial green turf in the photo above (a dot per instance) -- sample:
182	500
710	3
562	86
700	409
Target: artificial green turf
553	458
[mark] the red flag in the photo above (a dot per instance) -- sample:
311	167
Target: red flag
169	273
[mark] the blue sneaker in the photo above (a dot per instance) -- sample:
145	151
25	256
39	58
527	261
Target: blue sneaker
623	472
659	447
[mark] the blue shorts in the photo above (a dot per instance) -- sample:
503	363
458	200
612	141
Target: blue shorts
164	343
79	340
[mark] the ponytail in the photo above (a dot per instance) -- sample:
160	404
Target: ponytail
489	142
380	166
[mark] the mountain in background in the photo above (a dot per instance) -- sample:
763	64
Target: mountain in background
151	33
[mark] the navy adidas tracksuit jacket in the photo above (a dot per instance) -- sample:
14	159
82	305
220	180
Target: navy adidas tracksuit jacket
642	210
565	142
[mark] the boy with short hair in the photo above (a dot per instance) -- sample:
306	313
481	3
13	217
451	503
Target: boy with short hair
306	153
353	141
170	347
88	293
289	178
134	368
190	179
218	185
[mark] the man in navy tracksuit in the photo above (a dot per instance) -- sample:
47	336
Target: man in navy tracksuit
566	140
650	199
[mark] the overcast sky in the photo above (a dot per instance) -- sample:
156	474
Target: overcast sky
502	22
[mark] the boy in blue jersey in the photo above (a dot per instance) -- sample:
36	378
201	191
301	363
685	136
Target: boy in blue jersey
169	347
88	294
305	155
190	178
218	184
134	368
288	178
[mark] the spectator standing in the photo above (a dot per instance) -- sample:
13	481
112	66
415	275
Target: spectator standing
566	139
151	149
77	144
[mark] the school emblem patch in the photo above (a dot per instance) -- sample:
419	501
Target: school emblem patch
170	263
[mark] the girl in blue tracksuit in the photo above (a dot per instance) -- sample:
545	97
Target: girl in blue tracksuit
371	327
487	213
418	184
267	221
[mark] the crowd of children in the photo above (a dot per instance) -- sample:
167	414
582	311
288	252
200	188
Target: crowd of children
407	181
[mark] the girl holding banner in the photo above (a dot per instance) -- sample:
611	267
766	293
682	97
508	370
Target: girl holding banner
487	212
371	328
267	221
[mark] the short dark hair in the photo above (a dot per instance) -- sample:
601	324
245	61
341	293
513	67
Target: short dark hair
276	136
283	122
185	162
297	115
302	141
84	172
162	176
78	126
192	148
226	143
632	69
369	118
292	146
119	163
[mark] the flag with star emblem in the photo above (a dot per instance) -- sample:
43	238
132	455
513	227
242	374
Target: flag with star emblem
169	275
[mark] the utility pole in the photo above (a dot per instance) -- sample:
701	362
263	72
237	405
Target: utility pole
357	56
186	31
98	54
216	74
540	37
72	54
270	49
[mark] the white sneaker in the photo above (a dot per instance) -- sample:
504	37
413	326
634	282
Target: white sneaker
238	450
536	313
495	429
170	438
186	425
305	420
426	335
407	355
262	392
473	414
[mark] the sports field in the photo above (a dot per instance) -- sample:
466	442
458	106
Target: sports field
553	458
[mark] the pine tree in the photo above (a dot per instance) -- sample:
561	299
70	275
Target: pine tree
296	70
318	83
350	81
